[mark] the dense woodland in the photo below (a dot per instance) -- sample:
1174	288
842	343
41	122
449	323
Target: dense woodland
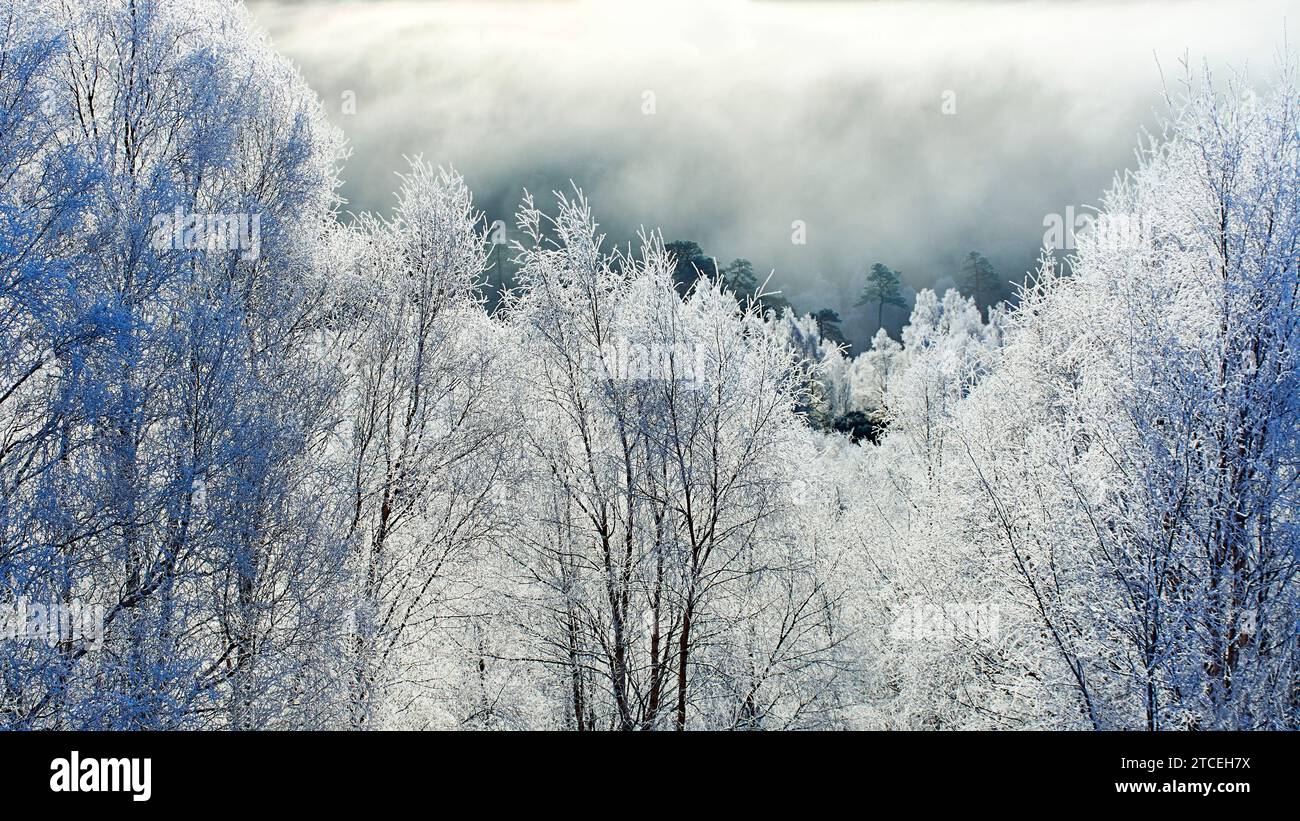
322	485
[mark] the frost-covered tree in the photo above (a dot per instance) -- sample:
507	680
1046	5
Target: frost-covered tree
425	428
1122	480
658	428
168	180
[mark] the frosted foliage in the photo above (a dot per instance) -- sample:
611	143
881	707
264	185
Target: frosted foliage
301	472
1120	482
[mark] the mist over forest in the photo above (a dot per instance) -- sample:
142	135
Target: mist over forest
771	112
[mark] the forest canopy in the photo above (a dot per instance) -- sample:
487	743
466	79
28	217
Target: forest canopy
263	467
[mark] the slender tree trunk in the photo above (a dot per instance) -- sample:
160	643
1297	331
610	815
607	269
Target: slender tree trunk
683	652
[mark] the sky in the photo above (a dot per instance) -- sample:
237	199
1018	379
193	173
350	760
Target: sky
908	133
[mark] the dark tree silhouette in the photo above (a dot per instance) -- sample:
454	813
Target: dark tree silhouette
691	263
828	325
980	281
883	288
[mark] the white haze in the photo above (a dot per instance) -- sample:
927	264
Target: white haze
770	112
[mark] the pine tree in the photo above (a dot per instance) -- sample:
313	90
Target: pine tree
882	288
828	325
980	280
